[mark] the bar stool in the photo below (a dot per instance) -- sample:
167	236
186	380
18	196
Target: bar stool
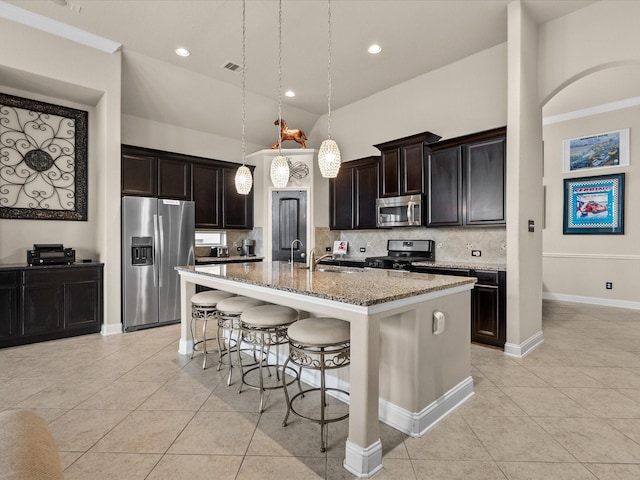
203	307
228	313
318	344
264	327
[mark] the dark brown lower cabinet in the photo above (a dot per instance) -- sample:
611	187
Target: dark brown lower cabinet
488	309
50	302
488	303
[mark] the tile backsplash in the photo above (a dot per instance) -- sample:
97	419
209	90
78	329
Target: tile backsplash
452	244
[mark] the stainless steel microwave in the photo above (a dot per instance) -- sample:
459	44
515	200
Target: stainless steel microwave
403	211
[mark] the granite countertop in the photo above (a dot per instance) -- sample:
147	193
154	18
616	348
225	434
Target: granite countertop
364	287
231	259
454	264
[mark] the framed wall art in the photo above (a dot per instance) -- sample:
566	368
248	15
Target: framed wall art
594	204
43	160
603	150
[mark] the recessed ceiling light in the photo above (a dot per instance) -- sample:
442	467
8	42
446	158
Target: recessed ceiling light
62	3
290	93
374	49
183	52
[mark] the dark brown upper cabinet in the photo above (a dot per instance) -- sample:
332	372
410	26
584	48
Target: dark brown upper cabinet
209	183
353	193
402	164
174	178
466	180
206	182
139	173
237	209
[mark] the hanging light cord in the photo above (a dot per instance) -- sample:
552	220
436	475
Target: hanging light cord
329	70
280	78
244	67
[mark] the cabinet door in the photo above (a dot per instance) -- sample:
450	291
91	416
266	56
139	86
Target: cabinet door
444	188
485	182
488	309
174	179
411	169
484	315
366	183
237	209
82	305
390	169
341	199
206	194
42	308
8	305
139	174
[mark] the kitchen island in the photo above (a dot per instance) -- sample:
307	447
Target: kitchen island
401	371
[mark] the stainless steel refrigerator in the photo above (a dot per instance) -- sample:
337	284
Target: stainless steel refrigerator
157	235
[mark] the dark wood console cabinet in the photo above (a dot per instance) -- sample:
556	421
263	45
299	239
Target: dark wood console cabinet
488	302
49	302
353	193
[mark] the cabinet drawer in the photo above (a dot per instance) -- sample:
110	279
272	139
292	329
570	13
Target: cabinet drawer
55	275
487	277
8	279
457	272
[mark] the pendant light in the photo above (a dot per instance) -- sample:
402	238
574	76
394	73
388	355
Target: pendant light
279	165
243	180
329	154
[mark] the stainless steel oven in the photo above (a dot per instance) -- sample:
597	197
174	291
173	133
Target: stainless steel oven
402	211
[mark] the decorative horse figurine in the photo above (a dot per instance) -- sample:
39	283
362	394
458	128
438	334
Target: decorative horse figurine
289	134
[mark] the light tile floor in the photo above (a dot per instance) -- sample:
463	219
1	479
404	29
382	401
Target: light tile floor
129	407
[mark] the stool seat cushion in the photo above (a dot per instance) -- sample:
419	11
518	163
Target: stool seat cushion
269	316
210	298
319	331
238	304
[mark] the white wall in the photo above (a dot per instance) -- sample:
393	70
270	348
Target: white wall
576	266
464	97
170	138
66	72
580	265
16	236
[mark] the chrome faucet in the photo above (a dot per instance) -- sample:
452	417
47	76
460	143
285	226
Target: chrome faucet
292	244
313	261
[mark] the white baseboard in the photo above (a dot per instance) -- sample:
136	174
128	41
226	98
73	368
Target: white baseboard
526	347
110	328
363	462
607	302
185	347
417	424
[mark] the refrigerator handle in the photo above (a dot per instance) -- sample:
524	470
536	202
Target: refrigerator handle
156	255
161	243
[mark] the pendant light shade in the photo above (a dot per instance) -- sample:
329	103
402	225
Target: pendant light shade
280	172
244	181
279	165
329	158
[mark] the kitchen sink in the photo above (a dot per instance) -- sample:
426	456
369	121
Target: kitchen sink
339	269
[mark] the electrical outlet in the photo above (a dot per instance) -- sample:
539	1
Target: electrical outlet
327	249
609	285
476	253
363	249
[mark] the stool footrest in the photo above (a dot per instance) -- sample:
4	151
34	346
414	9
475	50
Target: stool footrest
314	419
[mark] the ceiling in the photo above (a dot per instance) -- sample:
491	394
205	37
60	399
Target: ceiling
417	36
